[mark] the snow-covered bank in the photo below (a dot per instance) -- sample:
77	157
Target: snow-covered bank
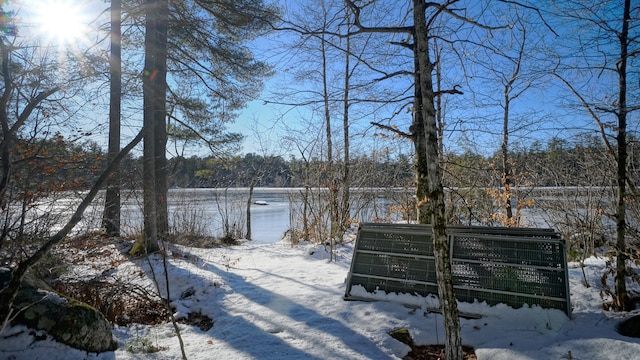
271	301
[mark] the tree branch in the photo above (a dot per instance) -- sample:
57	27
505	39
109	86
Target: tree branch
593	115
453	91
366	29
392	129
534	9
444	8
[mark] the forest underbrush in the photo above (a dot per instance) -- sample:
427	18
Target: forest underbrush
85	268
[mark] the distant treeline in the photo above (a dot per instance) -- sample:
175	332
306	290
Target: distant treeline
581	162
556	163
275	171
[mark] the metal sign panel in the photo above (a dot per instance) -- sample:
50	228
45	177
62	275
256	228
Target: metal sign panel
514	266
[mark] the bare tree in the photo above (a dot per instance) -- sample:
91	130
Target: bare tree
321	34
332	183
38	98
510	93
436	192
344	210
510	63
429	173
608	48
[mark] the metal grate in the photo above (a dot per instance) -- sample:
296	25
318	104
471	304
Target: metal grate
514	266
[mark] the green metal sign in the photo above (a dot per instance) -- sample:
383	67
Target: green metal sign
514	266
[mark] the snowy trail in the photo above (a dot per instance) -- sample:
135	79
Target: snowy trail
280	308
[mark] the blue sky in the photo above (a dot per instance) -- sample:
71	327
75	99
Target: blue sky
473	123
545	111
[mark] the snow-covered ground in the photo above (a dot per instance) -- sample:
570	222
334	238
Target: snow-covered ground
272	301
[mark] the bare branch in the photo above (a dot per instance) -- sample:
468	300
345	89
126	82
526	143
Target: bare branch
26	112
392	129
591	112
453	91
444	8
8	294
394	74
534	9
403	44
366	29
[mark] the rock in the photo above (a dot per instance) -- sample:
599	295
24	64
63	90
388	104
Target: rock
630	327
189	292
68	321
402	335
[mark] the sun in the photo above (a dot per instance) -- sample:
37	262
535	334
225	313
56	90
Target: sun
61	21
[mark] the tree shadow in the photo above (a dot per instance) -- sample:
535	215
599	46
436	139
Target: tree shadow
240	333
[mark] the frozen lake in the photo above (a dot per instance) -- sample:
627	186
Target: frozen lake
268	222
273	210
206	211
211	211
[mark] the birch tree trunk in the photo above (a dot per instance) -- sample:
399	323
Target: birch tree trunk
345	216
623	301
435	197
423	210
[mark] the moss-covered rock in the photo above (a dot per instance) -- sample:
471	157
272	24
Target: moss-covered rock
402	335
68	321
137	249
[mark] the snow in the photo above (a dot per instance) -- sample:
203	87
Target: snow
274	301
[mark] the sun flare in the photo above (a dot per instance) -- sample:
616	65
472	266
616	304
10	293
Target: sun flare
61	21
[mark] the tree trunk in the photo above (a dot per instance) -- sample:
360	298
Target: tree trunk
448	305
438	99
423	211
160	119
506	165
150	89
345	215
332	184
622	297
111	215
249	201
507	169
5	151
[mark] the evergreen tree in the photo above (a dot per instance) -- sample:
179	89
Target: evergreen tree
197	65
